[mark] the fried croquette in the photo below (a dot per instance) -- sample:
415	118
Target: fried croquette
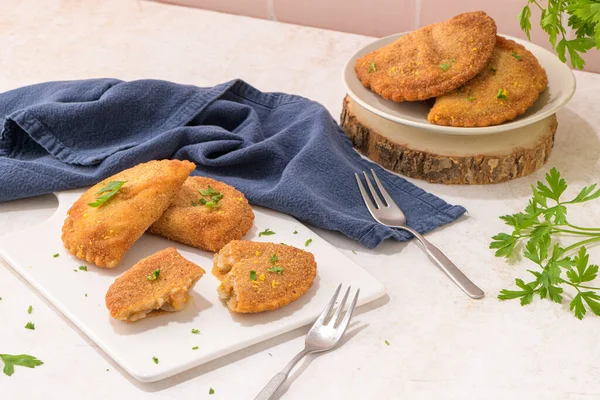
258	277
430	61
102	232
505	89
160	282
206	214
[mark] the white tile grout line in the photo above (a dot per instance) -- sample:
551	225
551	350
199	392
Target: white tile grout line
417	14
271	10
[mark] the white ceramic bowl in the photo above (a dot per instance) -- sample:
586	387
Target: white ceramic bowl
561	87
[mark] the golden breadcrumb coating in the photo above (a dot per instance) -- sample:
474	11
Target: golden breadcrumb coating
196	225
271	290
430	61
133	296
102	235
513	72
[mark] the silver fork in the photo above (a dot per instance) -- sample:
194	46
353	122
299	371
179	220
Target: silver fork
391	215
322	336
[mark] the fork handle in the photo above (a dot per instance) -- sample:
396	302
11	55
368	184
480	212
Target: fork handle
449	268
275	383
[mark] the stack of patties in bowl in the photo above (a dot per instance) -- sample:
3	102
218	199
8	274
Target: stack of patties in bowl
473	77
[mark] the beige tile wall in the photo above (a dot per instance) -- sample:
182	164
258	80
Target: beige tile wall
382	17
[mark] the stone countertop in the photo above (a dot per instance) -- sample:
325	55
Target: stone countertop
442	345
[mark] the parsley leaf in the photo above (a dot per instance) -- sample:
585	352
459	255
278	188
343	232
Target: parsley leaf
386	342
55	255
83	268
30	325
307	242
211	391
372	68
296	232
155	359
195	331
445	66
470	98
515	55
266	232
154	275
252	275
277	269
22	360
111	188
30	310
195	348
502	94
273	259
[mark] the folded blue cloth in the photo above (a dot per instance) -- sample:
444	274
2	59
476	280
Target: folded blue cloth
282	151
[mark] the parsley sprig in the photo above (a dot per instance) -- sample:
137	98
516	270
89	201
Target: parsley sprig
583	16
541	224
108	191
213	201
23	360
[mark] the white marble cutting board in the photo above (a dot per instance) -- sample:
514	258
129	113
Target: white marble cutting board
79	295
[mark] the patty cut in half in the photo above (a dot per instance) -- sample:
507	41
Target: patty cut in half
430	61
112	215
206	214
258	277
160	282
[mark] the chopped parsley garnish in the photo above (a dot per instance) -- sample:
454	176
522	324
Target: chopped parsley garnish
502	95
295	232
195	331
154	275
111	188
354	252
253	275
445	66
30	310
22	360
386	342
0	298
515	55
195	348
492	70
372	68
274	259
277	269
86	295
453	60
307	242
155	360
211	391
214	198
30	325
266	232
470	98
55	255
83	268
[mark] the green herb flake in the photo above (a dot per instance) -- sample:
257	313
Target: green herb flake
295	232
492	70
83	268
155	359
252	275
273	259
470	98
195	348
354	252
502	94
22	360
445	66
30	325
211	391
372	68
307	242
386	342
30	310
107	192
154	275
55	255
195	331
515	55
86	295
266	232
276	269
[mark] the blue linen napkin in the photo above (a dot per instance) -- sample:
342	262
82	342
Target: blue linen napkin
282	151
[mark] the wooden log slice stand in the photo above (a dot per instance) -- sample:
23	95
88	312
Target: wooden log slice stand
449	159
